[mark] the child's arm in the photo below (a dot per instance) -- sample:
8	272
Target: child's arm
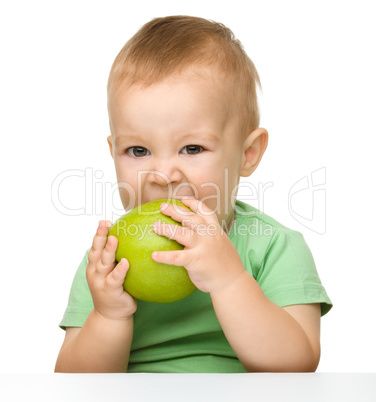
103	343
264	336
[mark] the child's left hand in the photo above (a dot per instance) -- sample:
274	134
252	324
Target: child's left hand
209	256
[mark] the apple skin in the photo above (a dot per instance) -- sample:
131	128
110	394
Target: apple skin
147	279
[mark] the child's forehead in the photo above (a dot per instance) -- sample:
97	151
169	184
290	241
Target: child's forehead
184	95
188	89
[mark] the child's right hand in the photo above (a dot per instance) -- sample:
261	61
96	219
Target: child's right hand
105	278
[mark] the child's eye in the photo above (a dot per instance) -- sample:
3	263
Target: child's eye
193	149
138	151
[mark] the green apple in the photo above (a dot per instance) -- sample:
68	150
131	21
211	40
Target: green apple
147	279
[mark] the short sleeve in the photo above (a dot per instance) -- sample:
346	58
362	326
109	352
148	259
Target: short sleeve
288	273
80	302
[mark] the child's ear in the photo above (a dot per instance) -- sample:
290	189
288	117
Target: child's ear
109	140
254	147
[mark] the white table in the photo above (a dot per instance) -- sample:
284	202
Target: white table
315	387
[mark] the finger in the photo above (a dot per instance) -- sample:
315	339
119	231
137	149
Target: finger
115	278
99	241
180	214
109	253
182	235
176	212
199	208
107	261
174	257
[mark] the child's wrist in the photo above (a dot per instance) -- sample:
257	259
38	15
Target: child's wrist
229	285
112	317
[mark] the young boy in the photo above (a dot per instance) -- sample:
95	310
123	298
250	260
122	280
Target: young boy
185	123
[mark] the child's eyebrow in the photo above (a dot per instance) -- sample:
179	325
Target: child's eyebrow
203	136
120	140
200	136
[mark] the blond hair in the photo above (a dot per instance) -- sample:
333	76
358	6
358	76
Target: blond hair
165	46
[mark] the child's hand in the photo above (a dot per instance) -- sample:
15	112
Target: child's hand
209	256
105	278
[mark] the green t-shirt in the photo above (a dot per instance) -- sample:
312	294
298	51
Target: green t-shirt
186	336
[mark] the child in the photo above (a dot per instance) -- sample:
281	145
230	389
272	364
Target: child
185	123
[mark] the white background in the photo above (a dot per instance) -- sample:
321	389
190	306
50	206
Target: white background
317	66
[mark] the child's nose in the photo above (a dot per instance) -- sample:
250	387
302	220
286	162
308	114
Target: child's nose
165	173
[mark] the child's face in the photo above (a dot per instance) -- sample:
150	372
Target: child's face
173	139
